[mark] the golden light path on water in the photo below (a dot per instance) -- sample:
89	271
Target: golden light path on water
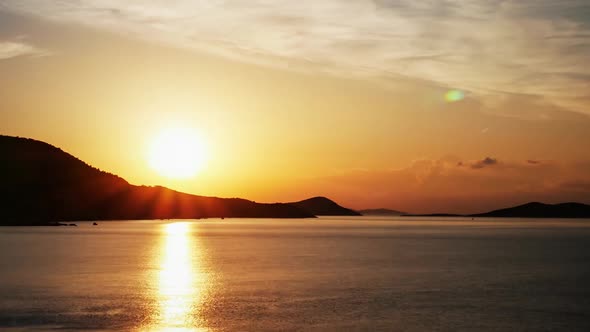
182	282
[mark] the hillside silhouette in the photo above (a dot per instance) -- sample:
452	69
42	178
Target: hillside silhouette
41	183
322	206
541	210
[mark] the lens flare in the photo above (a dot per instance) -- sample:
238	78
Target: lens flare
454	95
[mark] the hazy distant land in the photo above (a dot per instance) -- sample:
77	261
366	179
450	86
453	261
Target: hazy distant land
381	212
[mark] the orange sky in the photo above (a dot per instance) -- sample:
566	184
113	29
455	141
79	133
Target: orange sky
282	125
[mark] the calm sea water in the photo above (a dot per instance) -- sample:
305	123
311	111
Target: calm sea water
389	274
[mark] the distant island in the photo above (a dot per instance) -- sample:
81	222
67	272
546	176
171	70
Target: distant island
528	210
322	206
43	185
380	212
541	210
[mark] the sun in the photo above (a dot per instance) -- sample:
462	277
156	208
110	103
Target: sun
177	153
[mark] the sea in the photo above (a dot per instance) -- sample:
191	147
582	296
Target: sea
325	274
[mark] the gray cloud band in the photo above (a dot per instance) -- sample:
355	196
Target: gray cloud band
536	48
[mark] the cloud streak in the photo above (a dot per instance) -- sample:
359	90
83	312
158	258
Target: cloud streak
13	49
530	47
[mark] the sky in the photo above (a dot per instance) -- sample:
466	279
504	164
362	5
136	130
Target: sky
431	106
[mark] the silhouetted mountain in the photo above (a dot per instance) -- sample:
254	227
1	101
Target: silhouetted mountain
540	210
380	212
322	206
40	183
434	215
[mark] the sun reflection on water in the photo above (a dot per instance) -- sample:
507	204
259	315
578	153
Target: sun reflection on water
182	282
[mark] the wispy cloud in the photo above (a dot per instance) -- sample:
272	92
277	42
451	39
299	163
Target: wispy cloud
487	161
531	47
12	49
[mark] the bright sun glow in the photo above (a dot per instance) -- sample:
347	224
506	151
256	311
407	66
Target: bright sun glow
177	153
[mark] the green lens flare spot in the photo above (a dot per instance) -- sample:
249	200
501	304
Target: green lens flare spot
454	95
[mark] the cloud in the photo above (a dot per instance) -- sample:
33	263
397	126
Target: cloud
529	47
13	49
487	161
478	164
